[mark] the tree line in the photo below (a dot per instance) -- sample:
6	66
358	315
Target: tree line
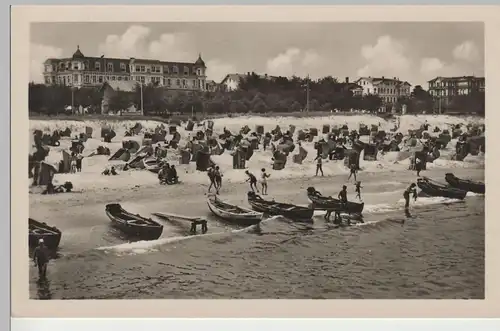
256	94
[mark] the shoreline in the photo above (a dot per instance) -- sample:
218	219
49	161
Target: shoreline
331	183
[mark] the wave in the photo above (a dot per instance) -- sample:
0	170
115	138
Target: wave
148	246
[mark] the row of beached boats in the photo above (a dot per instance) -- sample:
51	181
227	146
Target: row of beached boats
143	228
455	188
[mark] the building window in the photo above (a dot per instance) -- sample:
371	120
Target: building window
94	79
169	82
87	79
143	79
47	80
198	72
75	78
110	67
86	65
119	77
195	83
100	79
184	85
123	67
175	70
186	71
113	78
97	66
178	82
166	70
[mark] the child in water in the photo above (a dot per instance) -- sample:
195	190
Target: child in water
263	180
358	190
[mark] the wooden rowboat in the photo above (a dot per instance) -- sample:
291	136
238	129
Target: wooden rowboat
436	189
152	165
292	212
133	224
232	213
39	230
465	184
320	202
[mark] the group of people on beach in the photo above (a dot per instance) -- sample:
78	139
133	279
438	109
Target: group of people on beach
75	162
168	174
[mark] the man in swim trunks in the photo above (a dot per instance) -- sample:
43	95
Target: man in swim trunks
253	181
263	180
41	257
343	199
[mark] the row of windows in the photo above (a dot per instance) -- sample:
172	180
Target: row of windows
364	82
389	99
168	81
94	79
451	92
390	90
123	68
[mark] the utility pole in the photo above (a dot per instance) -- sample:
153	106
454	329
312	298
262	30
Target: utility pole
307	93
72	100
142	99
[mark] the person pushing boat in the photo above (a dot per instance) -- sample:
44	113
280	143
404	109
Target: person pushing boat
410	190
41	257
253	181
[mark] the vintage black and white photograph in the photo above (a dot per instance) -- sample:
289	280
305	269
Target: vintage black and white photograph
256	160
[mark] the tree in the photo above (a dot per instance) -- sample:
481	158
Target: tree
120	100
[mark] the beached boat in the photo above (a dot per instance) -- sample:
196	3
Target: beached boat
320	202
152	165
232	213
465	184
293	212
435	189
133	224
39	230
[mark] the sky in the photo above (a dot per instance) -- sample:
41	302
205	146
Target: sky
411	51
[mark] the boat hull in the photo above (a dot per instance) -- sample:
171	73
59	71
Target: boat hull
151	165
437	190
245	219
296	213
332	204
151	231
39	230
465	185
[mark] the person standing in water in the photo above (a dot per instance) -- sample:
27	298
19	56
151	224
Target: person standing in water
319	164
253	181
41	257
343	200
354	171
218	179
411	189
264	176
418	166
211	177
358	190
